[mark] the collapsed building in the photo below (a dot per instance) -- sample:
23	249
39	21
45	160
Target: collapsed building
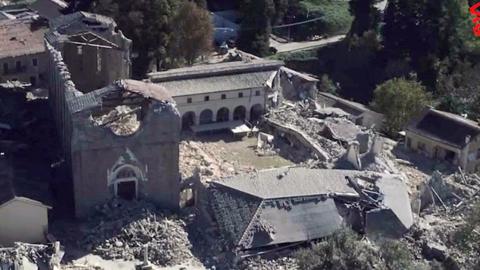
291	205
331	105
445	136
118	139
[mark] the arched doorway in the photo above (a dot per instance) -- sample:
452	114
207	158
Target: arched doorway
206	117
256	112
223	115
239	113
125	182
188	120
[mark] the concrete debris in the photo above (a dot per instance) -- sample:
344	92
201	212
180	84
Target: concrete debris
451	193
446	201
307	131
37	254
197	160
258	263
265	146
121	230
122	120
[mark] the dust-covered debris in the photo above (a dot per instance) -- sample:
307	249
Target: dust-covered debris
34	253
122	120
258	263
446	201
121	230
197	157
312	129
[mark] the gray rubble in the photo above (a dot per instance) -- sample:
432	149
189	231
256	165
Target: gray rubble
121	230
258	263
308	130
37	254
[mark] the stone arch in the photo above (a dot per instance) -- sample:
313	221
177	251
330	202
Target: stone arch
206	117
125	180
240	113
256	112
188	120
223	115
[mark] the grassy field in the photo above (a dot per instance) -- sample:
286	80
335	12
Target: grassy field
337	18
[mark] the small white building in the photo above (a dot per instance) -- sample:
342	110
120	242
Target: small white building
23	211
214	96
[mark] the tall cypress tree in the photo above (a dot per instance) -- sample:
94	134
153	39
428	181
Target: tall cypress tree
256	26
366	16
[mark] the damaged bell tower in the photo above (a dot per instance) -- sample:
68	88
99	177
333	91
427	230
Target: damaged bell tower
119	137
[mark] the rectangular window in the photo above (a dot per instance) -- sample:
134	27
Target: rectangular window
478	154
207	98
224	96
240	95
34	62
33	81
18	66
189	100
257	93
5	68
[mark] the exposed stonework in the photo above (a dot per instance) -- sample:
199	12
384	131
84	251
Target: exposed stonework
107	158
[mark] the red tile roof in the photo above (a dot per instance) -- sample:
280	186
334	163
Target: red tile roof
18	38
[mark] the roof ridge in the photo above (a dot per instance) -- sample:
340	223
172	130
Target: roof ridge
254	217
457	118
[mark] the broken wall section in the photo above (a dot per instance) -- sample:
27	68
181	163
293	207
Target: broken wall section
297	86
113	158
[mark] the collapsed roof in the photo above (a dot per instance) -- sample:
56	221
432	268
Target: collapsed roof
294	204
136	88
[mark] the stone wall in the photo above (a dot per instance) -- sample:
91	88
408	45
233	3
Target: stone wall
92	153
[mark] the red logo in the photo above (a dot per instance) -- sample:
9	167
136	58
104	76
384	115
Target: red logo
475	10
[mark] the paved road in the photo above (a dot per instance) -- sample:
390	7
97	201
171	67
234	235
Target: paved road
304	45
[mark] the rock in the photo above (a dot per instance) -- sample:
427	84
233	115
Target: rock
118	244
432	250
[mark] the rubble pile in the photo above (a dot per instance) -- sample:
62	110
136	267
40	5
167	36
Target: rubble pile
121	230
196	157
312	127
34	253
446	202
122	120
258	263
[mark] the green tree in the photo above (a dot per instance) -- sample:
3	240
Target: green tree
194	33
147	23
399	100
255	29
366	17
327	85
426	32
341	251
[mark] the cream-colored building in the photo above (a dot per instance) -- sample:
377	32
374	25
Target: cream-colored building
22	52
211	96
446	136
23	211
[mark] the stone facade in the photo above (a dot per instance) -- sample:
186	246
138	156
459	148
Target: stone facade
120	140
